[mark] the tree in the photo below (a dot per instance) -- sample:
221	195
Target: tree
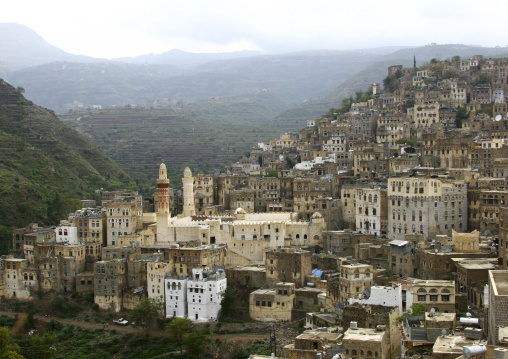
7	348
196	344
456	58
20	89
462	114
146	313
178	329
228	301
417	309
434	61
483	78
449	72
391	82
289	162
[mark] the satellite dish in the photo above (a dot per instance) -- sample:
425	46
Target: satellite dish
499	117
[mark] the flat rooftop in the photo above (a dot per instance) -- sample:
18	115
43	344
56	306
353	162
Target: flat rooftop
364	334
499	281
452	344
440	317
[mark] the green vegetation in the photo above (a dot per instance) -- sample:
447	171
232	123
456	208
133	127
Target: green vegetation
406	141
346	103
147	314
482	79
462	114
44	164
140	139
391	82
228	301
416	309
449	72
178	330
456	58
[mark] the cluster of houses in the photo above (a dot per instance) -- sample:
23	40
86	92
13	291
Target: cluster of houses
350	226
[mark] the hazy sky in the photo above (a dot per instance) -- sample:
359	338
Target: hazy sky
111	28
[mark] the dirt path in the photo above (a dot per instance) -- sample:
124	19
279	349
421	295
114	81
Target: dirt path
92	326
240	337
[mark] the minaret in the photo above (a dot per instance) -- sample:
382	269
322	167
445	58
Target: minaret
188	193
163	190
162	215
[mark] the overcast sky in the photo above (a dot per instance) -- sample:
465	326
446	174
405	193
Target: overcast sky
112	28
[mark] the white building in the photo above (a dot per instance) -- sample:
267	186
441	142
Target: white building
67	234
197	297
204	294
176	297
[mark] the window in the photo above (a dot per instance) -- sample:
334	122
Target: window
422	298
433	298
445	298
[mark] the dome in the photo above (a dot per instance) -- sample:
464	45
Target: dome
240	211
316	215
163	173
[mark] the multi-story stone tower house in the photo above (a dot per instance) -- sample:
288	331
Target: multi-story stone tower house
188	193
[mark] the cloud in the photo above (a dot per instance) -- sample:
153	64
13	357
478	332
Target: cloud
116	28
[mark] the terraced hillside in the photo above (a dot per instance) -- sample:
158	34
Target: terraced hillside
140	139
43	162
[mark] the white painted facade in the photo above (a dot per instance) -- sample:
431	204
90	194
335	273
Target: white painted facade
197	298
387	296
204	295
67	234
176	297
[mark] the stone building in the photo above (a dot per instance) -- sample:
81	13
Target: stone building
345	243
353	280
437	294
123	217
247	235
310	344
287	265
365	343
203	193
275	304
19	279
184	259
58	264
371	211
472	277
373	316
110	278
503	238
426	206
403	259
498	305
91	229
348	199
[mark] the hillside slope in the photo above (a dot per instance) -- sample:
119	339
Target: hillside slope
376	72
43	161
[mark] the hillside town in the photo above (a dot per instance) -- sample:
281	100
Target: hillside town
381	227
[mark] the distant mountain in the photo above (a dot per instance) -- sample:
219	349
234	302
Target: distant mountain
181	58
21	47
292	78
42	162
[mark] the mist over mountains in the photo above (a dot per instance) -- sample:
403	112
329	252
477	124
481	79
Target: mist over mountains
302	85
201	110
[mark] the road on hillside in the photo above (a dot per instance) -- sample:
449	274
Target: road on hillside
240	337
